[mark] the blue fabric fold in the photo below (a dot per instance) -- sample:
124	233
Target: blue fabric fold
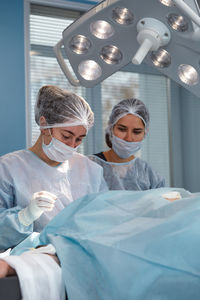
128	245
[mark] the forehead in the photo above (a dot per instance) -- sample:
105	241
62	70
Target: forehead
75	130
131	120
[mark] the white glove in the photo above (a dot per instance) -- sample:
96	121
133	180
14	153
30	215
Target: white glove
40	202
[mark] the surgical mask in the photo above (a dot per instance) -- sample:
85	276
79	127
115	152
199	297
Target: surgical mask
58	151
123	148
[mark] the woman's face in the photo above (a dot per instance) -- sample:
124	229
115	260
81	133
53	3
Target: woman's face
129	128
71	136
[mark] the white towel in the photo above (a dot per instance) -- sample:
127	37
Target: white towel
39	275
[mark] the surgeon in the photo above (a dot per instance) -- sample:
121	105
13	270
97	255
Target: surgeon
127	127
37	183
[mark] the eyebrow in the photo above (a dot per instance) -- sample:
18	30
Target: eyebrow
139	128
82	135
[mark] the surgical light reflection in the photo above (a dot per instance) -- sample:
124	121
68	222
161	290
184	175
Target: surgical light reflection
89	70
177	22
80	44
161	58
122	16
167	2
101	29
188	74
111	54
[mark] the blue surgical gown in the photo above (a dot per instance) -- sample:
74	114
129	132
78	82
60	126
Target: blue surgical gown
129	245
134	175
22	173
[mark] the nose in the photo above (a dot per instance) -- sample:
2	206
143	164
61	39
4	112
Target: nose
72	143
129	137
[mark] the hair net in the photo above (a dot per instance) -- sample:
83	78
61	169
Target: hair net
62	108
128	106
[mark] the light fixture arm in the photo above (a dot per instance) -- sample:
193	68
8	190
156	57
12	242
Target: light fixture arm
188	11
63	66
152	34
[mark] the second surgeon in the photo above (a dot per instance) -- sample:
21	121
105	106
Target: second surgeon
127	126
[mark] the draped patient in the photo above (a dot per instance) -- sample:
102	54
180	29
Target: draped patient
116	245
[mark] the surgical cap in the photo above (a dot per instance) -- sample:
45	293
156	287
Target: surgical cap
62	108
129	106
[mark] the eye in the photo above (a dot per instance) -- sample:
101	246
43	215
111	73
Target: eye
121	129
138	131
65	137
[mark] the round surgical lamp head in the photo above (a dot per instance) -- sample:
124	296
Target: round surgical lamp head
122	16
167	2
111	54
80	44
101	29
177	22
161	58
89	70
188	74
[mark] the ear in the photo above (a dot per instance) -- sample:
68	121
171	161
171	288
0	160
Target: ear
43	122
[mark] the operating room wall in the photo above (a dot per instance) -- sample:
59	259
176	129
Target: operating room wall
190	120
12	77
185	138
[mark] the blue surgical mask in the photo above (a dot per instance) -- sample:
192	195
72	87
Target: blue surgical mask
123	148
58	151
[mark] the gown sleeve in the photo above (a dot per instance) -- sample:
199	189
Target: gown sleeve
11	230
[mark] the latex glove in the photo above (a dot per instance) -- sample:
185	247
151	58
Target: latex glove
40	202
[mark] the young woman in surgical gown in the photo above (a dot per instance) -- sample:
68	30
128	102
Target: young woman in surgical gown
123	170
37	183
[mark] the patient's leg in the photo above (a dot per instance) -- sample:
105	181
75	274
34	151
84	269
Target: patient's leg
6	269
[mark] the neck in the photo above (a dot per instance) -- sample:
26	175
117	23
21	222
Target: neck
111	156
37	149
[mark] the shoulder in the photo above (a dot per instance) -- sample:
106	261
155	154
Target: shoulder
145	166
97	159
155	178
11	162
13	157
86	161
139	162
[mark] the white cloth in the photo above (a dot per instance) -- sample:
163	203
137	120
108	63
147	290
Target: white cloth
40	277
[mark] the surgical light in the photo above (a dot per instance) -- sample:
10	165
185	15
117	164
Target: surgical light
167	2
188	74
89	70
164	34
161	58
111	54
122	16
101	29
177	22
79	44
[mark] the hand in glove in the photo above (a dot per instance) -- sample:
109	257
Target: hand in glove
40	202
